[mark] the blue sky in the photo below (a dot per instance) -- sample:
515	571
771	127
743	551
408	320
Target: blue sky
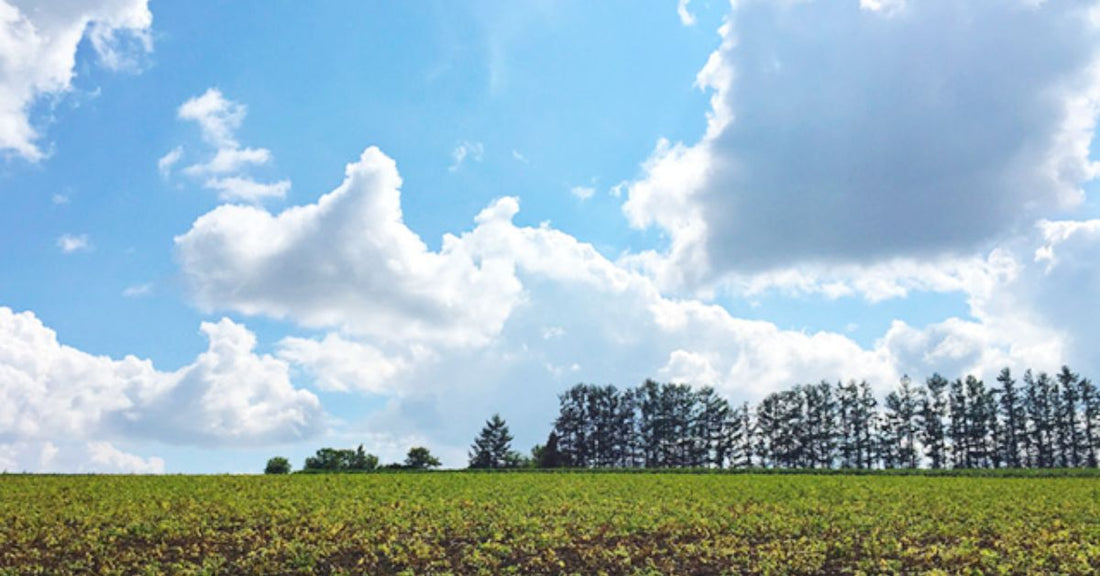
234	230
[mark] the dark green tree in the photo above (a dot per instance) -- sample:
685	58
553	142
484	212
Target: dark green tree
493	446
1070	445
1014	424
420	458
1090	407
933	414
277	465
549	456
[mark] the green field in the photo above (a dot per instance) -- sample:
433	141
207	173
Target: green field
547	523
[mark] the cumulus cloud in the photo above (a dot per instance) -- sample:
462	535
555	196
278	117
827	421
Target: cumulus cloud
106	458
218	117
38	46
347	261
229	395
830	140
341	365
226	171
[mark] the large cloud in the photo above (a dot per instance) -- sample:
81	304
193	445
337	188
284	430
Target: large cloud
841	133
347	261
229	396
38	44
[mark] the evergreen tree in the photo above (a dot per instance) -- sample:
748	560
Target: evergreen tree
959	430
979	415
493	446
741	437
899	427
933	414
1014	425
819	425
1039	409
867	425
549	456
1069	434
1090	406
711	427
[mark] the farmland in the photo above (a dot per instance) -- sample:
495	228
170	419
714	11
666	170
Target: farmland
547	523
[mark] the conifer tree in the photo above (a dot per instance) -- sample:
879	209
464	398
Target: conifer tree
493	446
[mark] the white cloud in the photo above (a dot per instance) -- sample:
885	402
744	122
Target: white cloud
218	117
226	171
236	188
169	160
342	365
106	458
686	17
887	7
69	243
582	193
229	160
347	261
38	46
229	396
473	151
520	157
830	140
59	199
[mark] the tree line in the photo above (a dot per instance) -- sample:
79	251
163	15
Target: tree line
1041	421
357	460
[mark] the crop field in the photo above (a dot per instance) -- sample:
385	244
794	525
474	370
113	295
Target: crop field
454	522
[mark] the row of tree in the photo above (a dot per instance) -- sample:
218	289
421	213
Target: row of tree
358	460
1041	422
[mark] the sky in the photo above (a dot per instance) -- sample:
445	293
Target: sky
235	230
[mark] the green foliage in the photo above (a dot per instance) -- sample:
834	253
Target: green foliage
493	446
551	523
277	465
419	458
334	460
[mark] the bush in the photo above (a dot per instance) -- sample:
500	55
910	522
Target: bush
277	465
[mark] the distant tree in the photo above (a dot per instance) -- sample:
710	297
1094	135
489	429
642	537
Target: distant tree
419	458
981	418
334	460
1090	406
900	427
493	446
1070	445
741	437
1014	425
362	461
549	456
277	465
1040	391
959	431
933	413
710	428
